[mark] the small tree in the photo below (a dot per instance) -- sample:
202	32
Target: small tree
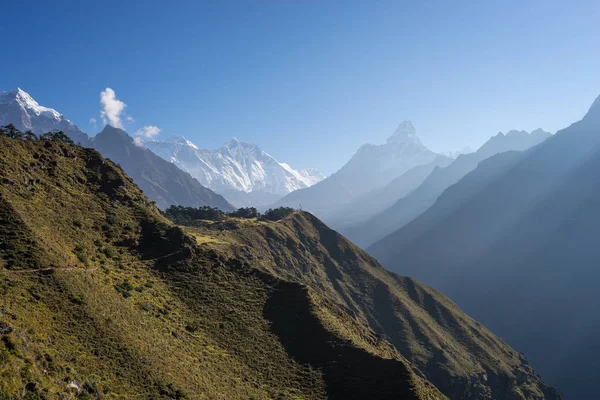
29	135
12	132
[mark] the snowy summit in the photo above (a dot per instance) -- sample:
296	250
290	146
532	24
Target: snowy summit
235	169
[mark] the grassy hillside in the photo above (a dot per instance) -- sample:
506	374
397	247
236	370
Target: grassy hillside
457	354
101	297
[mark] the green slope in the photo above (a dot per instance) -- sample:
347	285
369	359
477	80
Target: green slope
456	353
104	298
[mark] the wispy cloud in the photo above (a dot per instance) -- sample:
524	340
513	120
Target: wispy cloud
113	113
149	131
93	121
112	108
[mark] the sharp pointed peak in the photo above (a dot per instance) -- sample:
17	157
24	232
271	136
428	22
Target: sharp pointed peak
28	103
108	128
404	132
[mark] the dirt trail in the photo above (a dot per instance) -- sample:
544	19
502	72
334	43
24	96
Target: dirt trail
24	271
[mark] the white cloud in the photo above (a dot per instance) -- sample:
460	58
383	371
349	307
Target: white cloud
149	131
138	142
112	108
93	121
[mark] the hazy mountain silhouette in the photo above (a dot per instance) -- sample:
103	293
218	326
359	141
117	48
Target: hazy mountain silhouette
423	197
379	199
373	166
514	244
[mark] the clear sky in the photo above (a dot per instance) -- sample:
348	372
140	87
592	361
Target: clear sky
309	81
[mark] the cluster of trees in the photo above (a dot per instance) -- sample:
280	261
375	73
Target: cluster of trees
275	214
189	215
55	136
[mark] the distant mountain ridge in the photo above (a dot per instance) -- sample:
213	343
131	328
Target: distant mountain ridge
514	243
377	200
423	197
372	166
236	169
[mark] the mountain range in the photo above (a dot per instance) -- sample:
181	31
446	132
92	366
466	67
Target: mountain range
250	307
116	302
411	205
163	182
245	174
514	244
372	167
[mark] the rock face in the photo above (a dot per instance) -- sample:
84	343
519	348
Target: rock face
373	166
233	309
243	172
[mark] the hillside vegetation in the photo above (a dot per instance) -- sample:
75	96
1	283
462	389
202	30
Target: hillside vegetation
103	297
457	354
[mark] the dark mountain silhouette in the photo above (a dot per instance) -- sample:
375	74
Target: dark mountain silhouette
408	208
514	244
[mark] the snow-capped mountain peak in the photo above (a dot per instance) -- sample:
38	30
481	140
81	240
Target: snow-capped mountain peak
235	166
25	101
19	108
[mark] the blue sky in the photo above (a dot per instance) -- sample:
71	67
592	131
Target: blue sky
310	81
